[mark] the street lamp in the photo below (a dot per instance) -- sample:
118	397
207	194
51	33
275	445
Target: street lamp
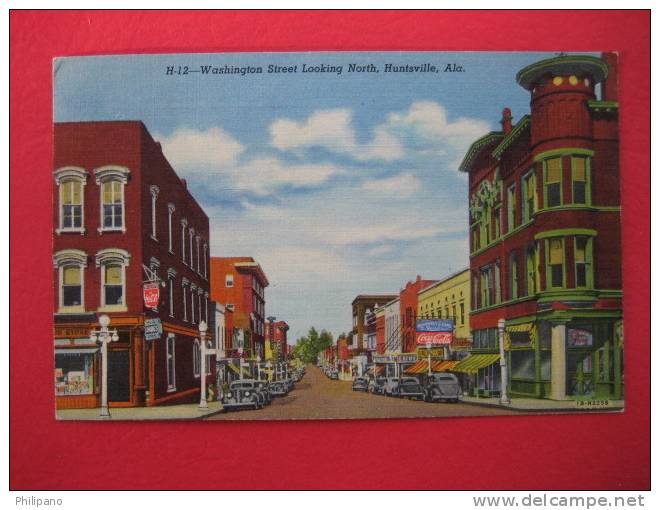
504	397
203	406
258	368
104	336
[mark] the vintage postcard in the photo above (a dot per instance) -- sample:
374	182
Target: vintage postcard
336	235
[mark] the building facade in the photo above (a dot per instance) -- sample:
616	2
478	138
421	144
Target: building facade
121	216
362	306
545	237
392	315
408	301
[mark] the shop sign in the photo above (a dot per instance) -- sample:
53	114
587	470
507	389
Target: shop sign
151	294
435	325
71	332
434	338
580	338
423	353
405	358
383	359
153	329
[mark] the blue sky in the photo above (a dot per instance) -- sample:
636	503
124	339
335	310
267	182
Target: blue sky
338	184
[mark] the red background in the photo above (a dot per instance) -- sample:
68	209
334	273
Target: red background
578	451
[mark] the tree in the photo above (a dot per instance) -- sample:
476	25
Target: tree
307	348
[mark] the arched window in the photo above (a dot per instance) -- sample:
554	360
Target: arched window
71	182
113	263
71	266
209	354
197	358
112	180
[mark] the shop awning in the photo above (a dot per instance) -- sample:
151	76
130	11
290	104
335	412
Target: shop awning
234	368
444	366
421	367
473	363
379	370
523	335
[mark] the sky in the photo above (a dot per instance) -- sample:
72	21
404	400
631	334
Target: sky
338	184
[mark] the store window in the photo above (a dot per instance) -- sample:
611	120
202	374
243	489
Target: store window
553	181
197	358
580	169
555	258
523	364
171	362
113	263
74	372
583	262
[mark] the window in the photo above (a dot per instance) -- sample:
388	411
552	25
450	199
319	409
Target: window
71	265
71	182
511	207
184	284
475	292
184	226
113	262
523	364
230	306
475	238
486	286
529	196
154	196
462	307
206	256
199	266
170	213
553	181
579	169
583	277
209	355
171	274
74	371
530	266
171	362
193	288
191	234
197	358
555	262
513	277
496	223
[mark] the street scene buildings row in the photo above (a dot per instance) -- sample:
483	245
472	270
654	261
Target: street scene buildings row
132	243
541	300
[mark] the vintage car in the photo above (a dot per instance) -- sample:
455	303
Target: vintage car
360	384
377	385
410	387
442	388
264	388
334	375
391	387
243	394
279	388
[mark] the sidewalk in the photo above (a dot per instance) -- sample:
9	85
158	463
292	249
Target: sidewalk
173	412
545	405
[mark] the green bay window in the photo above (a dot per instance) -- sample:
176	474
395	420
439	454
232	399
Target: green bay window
580	179
583	262
553	182
555	262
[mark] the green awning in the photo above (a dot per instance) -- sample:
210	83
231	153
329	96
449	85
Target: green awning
473	363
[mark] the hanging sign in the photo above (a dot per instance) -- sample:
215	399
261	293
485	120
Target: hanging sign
151	293
434	338
153	329
435	325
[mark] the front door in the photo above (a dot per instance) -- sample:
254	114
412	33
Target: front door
580	377
119	383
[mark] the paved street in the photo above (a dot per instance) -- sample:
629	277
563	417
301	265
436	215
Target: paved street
317	397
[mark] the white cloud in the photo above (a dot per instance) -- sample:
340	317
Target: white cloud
333	130
402	185
191	149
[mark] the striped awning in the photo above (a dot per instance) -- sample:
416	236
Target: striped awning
379	370
528	328
234	368
444	366
473	363
420	367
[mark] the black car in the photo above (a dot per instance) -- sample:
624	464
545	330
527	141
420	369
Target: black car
410	387
442	388
360	384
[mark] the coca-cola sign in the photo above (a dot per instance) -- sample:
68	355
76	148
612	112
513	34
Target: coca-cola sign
151	294
434	338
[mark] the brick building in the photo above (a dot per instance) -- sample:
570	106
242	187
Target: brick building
121	215
276	334
362	306
545	237
239	283
408	301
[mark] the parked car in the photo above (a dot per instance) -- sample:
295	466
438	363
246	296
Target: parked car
360	384
264	388
442	388
334	374
410	387
376	385
243	394
279	388
391	387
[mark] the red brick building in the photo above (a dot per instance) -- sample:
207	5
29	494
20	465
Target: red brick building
121	215
239	283
380	333
408	301
545	237
277	335
362	307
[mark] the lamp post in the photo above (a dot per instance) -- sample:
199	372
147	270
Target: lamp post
258	368
104	336
504	397
203	405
